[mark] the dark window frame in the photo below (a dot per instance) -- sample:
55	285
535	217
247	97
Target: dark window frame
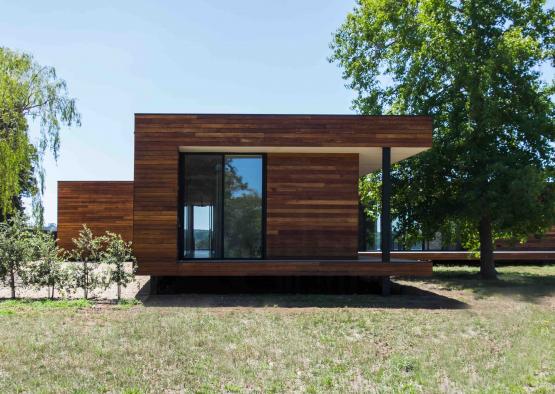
180	207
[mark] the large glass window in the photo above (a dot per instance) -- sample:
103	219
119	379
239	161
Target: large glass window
243	206
221	206
202	203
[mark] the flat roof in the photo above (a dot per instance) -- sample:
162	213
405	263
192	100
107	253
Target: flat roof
365	135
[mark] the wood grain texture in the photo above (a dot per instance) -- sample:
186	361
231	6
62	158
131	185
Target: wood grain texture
544	242
285	130
102	205
291	268
498	255
312	206
159	137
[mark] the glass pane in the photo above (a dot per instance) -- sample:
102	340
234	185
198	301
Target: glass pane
201	206
243	206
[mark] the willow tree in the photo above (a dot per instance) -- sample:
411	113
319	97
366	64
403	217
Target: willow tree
29	94
475	67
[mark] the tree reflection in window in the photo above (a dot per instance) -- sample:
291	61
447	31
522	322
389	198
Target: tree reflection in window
243	206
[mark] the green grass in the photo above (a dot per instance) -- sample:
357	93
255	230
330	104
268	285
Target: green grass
26	304
453	333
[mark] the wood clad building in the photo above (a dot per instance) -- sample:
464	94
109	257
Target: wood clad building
241	195
102	205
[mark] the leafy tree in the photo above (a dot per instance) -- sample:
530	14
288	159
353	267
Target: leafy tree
87	252
29	92
473	66
116	254
49	270
15	251
243	209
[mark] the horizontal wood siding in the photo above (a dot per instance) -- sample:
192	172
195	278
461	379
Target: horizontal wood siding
448	255
297	268
286	130
159	137
101	205
544	242
312	206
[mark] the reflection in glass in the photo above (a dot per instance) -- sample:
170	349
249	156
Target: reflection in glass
242	206
201	206
222	206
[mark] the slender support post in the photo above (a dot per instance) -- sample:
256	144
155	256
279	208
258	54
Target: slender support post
386	210
154	285
385	285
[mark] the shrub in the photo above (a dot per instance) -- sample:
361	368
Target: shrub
87	253
116	254
16	251
49	270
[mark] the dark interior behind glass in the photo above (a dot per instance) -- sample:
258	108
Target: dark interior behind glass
221	206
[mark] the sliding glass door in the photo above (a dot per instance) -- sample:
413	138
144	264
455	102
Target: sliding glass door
202	203
221	206
243	206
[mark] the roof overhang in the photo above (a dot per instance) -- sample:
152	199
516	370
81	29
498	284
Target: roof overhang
370	158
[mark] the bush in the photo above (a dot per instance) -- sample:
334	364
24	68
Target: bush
33	257
16	251
49	270
115	255
87	253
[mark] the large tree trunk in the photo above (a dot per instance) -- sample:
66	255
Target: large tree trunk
487	264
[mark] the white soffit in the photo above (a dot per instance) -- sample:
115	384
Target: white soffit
370	158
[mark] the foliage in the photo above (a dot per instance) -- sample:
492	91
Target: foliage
473	66
29	92
115	255
16	251
49	269
30	257
242	210
244	213
87	253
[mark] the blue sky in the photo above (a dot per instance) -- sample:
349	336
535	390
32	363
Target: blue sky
123	57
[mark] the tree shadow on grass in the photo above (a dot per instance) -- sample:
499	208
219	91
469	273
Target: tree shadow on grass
528	284
403	297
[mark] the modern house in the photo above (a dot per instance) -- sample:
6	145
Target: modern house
249	195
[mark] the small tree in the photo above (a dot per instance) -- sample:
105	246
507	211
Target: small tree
116	254
15	250
87	252
49	270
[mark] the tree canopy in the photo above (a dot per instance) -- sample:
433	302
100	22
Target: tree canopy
475	67
29	93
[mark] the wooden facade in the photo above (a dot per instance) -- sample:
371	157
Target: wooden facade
101	205
282	130
544	242
312	198
312	167
547	254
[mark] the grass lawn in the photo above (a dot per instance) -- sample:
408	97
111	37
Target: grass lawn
451	333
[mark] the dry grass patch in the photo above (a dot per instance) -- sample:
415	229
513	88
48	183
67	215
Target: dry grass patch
494	337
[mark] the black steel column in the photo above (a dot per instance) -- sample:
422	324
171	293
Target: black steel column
385	219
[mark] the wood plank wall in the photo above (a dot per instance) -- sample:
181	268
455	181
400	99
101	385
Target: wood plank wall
288	130
102	205
158	138
312	206
545	242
